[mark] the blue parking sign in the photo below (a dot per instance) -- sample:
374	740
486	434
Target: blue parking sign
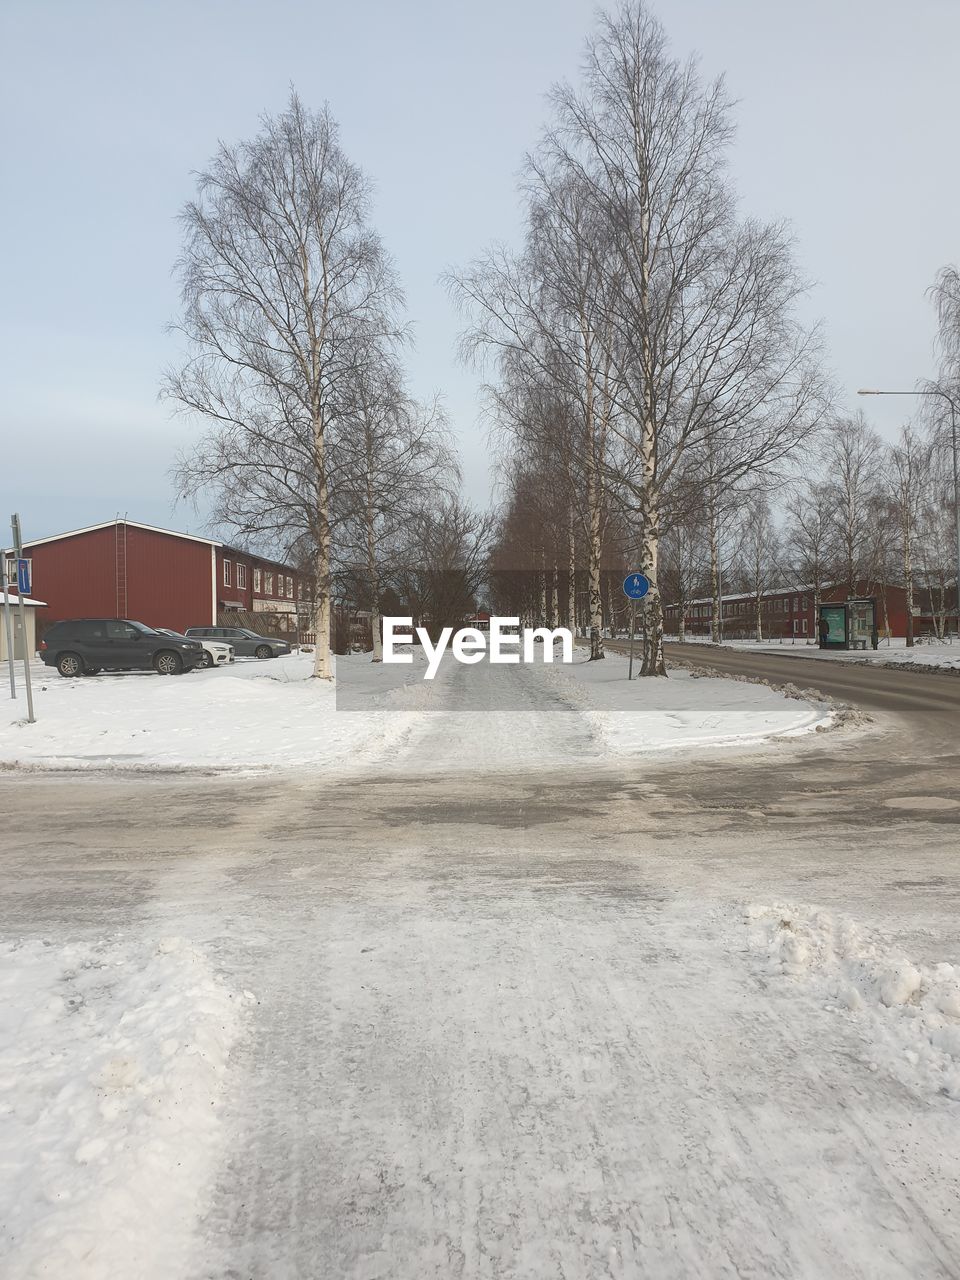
23	577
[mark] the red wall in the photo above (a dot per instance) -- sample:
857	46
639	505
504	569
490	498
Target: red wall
168	579
246	595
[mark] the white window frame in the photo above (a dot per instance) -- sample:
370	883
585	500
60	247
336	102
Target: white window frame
289	587
256	581
267	583
226	573
241	577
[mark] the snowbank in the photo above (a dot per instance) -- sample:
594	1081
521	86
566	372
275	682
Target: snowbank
249	715
685	710
264	715
941	657
112	1062
909	1013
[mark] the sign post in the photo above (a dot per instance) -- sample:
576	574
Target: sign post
8	624
635	587
22	564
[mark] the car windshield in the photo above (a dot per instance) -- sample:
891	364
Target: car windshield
251	635
147	631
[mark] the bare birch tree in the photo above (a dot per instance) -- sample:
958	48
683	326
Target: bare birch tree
703	351
282	280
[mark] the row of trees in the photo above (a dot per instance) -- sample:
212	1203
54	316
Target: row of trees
651	383
644	341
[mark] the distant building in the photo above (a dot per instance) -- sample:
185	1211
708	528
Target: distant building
787	612
125	569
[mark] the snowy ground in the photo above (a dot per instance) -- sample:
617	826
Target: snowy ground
112	1066
526	995
260	715
944	657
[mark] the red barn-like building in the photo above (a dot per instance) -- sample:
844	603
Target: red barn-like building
124	569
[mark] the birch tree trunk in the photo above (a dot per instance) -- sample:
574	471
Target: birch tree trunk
715	592
908	577
322	662
595	554
572	581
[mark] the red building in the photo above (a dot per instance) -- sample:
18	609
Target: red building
787	613
124	569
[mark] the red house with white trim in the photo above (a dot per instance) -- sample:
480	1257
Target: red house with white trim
125	569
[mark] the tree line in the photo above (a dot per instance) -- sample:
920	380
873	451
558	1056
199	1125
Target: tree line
650	384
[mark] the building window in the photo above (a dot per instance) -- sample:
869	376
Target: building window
268	584
289	588
804	626
796	604
256	581
242	577
226	573
300	590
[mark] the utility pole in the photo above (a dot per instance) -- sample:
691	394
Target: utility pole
18	546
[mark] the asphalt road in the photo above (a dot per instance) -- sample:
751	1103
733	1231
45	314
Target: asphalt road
906	759
507	1024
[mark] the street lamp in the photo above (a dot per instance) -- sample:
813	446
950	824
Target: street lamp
936	391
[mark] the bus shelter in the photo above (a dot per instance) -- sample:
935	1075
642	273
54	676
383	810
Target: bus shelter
849	624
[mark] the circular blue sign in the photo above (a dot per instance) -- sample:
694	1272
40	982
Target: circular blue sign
636	586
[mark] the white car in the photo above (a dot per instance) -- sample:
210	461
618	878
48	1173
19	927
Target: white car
216	653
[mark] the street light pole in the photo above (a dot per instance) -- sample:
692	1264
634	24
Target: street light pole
955	445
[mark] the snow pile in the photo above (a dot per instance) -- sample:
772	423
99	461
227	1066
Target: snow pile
909	1013
112	1063
688	709
250	715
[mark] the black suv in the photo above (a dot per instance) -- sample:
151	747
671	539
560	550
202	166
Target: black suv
84	646
246	643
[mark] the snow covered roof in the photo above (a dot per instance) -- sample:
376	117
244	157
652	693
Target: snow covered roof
133	524
749	595
28	601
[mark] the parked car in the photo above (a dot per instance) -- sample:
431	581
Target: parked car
246	643
216	653
86	646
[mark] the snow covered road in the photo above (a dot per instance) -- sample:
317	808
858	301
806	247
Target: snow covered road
481	1019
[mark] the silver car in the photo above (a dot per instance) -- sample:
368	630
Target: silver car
246	643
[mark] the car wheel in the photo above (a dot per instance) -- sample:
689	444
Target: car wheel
70	664
263	651
168	664
92	671
206	660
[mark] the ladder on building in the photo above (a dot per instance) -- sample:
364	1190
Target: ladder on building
121	566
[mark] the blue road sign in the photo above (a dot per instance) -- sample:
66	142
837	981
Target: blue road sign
636	586
23	577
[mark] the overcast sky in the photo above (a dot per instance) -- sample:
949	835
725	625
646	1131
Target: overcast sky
847	127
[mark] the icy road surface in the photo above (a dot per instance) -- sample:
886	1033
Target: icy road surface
670	1018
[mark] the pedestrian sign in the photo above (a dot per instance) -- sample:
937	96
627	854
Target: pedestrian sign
636	586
